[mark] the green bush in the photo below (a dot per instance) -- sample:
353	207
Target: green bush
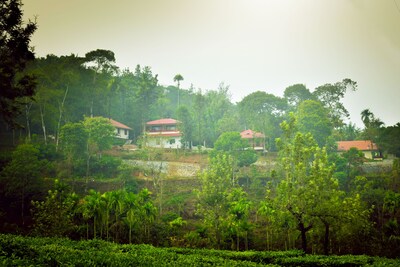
29	251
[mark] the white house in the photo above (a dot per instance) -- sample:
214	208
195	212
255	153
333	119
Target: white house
163	133
121	130
370	149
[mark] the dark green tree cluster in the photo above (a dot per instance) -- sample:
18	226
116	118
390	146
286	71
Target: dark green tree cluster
15	54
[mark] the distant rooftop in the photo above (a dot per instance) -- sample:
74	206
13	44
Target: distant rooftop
251	134
363	145
119	125
163	122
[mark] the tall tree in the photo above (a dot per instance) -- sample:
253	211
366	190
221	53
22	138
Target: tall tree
199	118
372	125
297	93
102	63
217	105
331	95
100	137
178	78
186	126
313	118
74	138
263	112
15	54
213	203
147	93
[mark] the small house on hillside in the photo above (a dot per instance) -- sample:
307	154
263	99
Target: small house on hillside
121	130
369	148
255	140
163	133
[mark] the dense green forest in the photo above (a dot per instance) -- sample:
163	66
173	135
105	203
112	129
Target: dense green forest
63	174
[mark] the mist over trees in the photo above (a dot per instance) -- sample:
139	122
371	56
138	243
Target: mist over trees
58	151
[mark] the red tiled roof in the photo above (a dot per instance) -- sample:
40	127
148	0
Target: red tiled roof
249	134
163	122
119	125
363	145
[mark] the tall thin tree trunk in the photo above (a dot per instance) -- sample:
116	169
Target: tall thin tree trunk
43	124
61	109
27	113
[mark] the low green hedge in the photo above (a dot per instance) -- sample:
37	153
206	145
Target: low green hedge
33	251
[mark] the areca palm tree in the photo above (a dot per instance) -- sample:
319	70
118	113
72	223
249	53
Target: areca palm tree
131	209
110	200
91	208
178	78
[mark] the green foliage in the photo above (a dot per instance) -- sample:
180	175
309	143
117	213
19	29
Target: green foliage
186	126
313	118
74	140
22	176
28	251
105	166
100	133
15	54
263	112
247	157
230	142
234	145
389	139
297	93
213	205
54	216
330	95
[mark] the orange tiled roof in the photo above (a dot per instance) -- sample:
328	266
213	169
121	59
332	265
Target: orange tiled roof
363	145
119	125
248	134
163	122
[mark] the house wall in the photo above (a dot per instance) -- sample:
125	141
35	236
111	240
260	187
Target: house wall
122	133
164	142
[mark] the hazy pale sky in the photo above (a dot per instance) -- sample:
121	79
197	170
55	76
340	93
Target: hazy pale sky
250	45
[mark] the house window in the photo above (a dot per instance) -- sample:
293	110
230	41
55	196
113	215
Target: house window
172	141
171	127
155	128
126	132
118	131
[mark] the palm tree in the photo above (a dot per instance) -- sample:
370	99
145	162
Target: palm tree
92	207
131	209
366	117
110	199
178	78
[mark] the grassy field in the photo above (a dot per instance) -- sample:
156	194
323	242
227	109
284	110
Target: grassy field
34	251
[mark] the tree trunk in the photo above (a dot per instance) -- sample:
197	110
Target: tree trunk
60	108
27	113
303	236
43	124
326	237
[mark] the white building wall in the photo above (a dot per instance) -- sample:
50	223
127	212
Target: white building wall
122	133
164	142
